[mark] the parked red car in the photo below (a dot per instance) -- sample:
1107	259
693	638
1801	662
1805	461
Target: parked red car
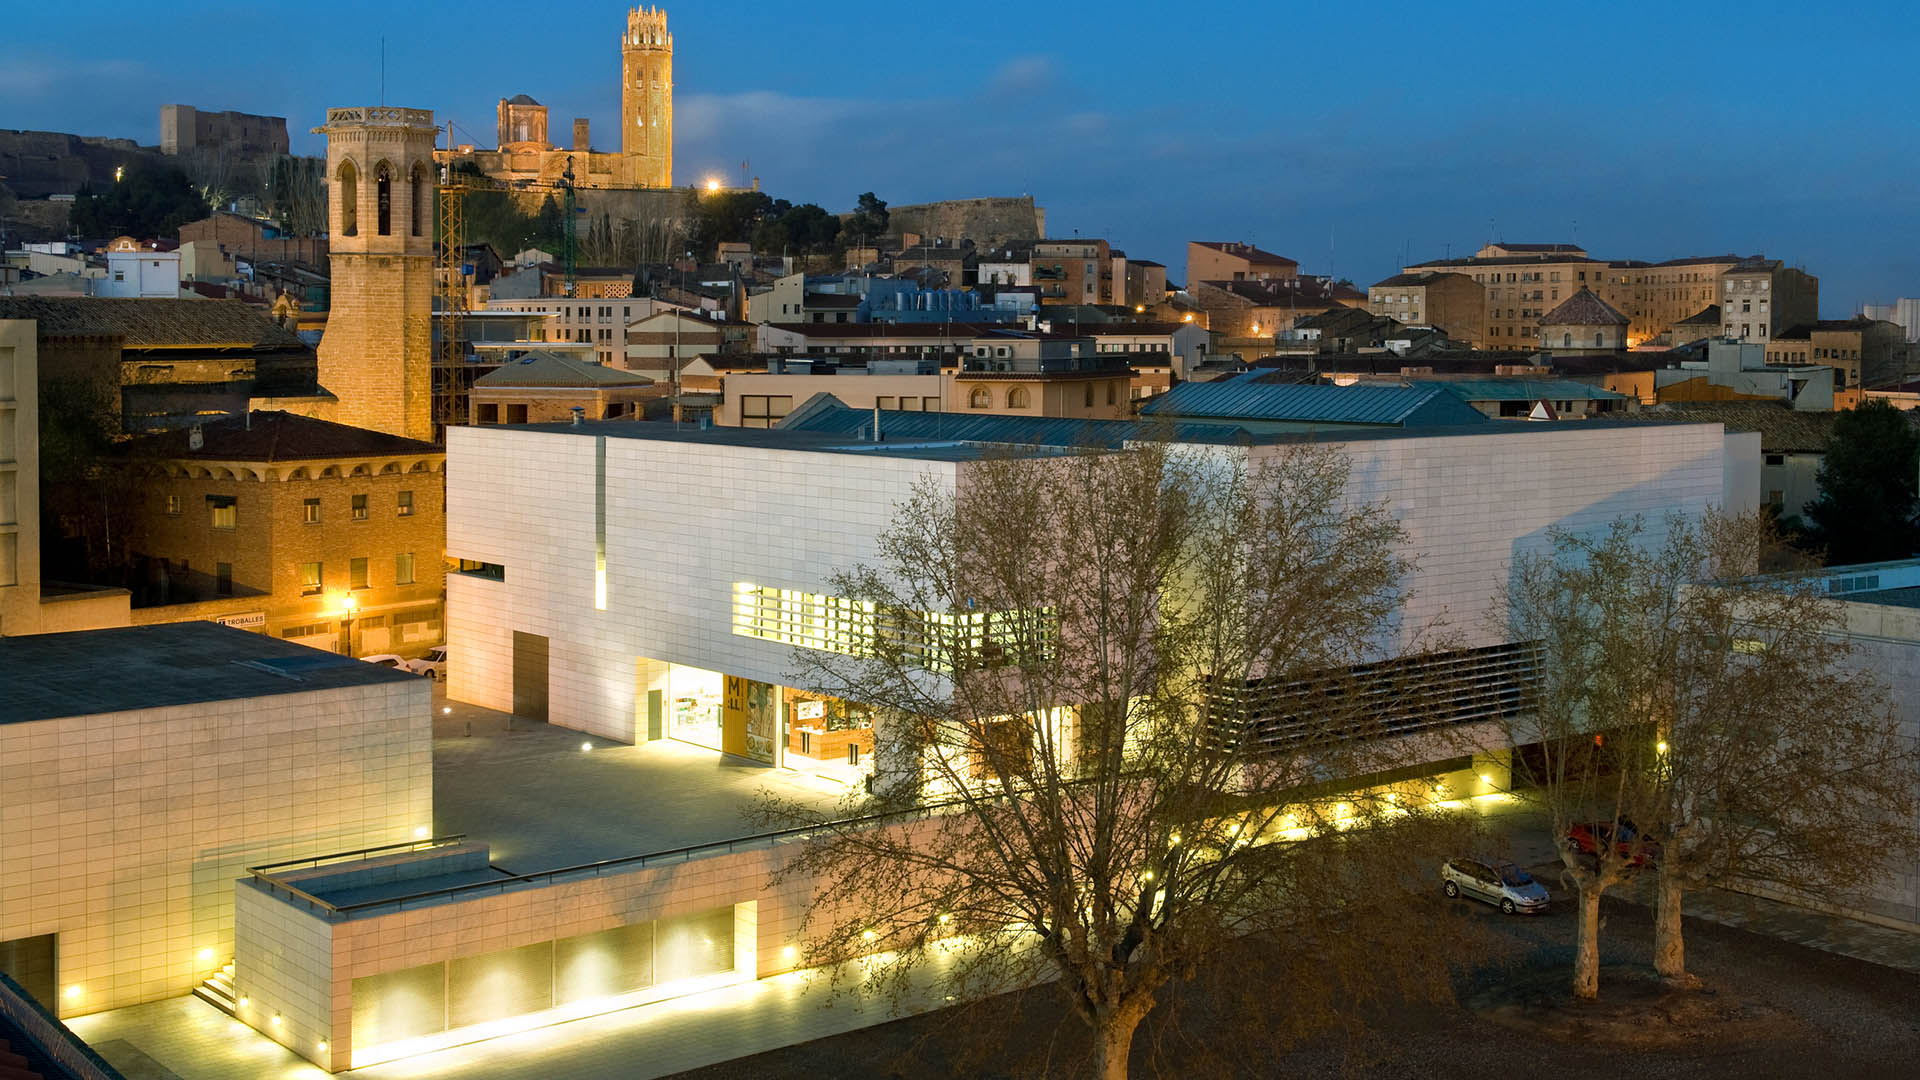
1628	842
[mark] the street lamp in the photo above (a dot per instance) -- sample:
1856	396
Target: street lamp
347	607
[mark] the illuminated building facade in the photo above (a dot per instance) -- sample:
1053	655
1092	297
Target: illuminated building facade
645	157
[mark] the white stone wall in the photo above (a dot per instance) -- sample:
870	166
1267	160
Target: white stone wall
283	967
1471	503
685	521
123	832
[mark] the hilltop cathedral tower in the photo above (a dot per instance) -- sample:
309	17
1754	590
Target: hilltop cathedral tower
646	97
376	357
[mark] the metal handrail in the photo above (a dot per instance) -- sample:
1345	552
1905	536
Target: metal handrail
592	869
315	860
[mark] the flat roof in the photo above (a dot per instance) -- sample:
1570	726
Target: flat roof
964	436
84	672
1907	597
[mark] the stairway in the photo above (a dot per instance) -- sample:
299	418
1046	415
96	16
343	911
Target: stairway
218	991
15	1066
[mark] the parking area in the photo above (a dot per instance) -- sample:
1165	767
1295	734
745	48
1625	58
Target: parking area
544	797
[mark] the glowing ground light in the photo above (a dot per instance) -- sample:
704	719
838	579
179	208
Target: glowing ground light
585	746
866	935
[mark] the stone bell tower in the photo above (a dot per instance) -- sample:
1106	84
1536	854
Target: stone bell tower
376	356
646	98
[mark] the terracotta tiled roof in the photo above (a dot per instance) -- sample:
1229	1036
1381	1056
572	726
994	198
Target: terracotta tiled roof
1783	429
1245	251
1584	309
151	323
277	436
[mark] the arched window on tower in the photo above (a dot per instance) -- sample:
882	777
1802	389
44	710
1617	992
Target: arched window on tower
420	195
978	399
1599	339
1566	340
349	199
1017	398
383	198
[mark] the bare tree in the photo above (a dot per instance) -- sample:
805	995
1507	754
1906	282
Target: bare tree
1777	759
1599	611
1115	707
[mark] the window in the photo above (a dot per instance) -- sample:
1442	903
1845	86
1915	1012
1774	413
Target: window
406	504
223	578
476	568
764	410
1566	341
403	568
1599	340
310	512
979	398
349	199
357	574
383	199
224	511
883	403
176	505
1018	398
1776	459
359	508
310	580
1776	497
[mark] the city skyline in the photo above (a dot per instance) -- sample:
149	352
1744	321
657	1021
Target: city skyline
1354	158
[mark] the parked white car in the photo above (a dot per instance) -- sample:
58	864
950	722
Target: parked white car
386	659
1500	883
433	665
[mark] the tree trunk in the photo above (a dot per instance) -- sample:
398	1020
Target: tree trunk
1669	950
1586	953
1113	1041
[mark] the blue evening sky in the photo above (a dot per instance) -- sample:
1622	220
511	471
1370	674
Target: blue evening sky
1343	135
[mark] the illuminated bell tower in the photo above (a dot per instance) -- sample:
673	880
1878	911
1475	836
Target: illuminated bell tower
376	356
646	97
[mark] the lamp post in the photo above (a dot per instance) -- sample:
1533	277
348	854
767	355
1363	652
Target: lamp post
347	607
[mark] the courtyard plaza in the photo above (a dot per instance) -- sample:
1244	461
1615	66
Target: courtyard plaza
546	797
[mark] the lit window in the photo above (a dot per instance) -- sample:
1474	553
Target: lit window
359	508
310	579
406	504
357	574
176	505
403	568
224	511
310	512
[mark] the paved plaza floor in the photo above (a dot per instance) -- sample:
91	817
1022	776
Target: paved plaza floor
540	801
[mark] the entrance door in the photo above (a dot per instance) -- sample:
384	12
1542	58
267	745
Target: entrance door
656	710
530	676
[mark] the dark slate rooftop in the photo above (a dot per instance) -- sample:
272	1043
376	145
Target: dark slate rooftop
152	323
1252	398
277	436
153	667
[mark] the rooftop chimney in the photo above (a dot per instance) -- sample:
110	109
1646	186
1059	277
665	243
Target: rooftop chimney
579	415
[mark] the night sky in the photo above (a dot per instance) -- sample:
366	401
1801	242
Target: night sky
1347	136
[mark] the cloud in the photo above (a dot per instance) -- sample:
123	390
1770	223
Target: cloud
35	77
1023	75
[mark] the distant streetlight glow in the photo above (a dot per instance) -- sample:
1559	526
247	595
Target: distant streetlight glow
713	184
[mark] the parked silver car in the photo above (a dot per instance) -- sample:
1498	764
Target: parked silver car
1502	884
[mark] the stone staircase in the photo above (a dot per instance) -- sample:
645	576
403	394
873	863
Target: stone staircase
218	991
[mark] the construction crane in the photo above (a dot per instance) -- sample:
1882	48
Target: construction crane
453	376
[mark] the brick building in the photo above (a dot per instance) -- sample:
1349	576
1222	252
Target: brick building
270	521
1075	272
541	386
253	239
1452	302
1210	260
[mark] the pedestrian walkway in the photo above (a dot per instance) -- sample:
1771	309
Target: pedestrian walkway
186	1039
